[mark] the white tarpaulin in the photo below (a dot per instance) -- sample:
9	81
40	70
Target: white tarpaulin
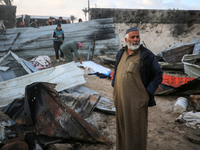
94	67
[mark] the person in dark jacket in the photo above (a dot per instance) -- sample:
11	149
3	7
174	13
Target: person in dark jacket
50	21
34	24
58	39
136	78
61	21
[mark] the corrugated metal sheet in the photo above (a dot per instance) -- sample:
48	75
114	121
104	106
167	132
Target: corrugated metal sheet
65	76
12	66
42	108
40	39
7	75
189	88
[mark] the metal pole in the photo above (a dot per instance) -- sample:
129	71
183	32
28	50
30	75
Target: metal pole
88	8
88	57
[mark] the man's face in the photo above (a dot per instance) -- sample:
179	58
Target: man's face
133	41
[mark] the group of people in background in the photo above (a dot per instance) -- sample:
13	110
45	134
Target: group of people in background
50	21
53	21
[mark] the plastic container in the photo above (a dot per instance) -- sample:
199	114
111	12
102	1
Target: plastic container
180	105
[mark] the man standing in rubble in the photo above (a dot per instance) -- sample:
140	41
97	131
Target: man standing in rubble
137	76
69	48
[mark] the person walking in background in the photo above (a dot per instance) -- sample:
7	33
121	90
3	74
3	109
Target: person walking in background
58	39
136	78
69	48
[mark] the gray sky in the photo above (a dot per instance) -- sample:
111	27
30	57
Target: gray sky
66	8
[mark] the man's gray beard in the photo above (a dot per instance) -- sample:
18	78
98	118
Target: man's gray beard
133	47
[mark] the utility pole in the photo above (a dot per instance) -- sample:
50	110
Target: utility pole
88	8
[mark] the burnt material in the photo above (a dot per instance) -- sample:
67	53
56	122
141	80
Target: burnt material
41	107
18	145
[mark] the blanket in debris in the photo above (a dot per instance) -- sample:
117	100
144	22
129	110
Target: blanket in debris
41	62
96	69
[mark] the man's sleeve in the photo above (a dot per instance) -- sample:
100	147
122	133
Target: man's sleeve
157	77
76	52
54	35
118	57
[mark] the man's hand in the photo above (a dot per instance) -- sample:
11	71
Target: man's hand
59	36
80	61
62	41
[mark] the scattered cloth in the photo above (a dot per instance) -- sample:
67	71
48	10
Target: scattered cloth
191	119
41	62
95	67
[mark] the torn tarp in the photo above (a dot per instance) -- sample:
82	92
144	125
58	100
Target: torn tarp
175	81
41	107
191	87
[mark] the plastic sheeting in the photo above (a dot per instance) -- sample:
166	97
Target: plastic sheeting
192	119
90	65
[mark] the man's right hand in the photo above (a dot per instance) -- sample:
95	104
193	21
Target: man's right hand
59	36
80	61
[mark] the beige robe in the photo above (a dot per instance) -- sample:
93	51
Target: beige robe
131	102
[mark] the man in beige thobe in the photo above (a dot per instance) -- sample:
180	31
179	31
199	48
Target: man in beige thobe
137	76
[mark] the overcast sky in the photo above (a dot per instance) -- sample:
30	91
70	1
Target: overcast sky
66	8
